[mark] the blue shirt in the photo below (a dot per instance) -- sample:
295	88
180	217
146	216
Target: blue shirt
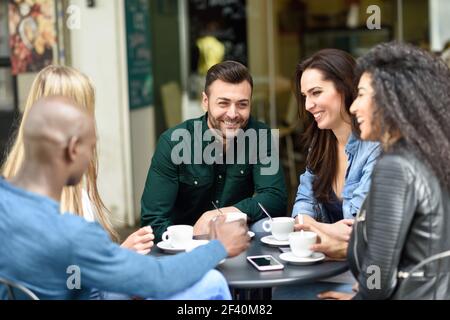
362	156
41	249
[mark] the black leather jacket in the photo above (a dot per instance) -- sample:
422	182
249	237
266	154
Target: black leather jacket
404	220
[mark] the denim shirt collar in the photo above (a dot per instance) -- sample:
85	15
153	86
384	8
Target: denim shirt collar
352	144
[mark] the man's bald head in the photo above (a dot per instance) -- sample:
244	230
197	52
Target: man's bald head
56	119
56	129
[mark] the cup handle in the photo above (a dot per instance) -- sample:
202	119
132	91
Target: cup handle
267	226
165	236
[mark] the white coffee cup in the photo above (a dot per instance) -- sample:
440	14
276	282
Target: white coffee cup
300	243
179	236
235	215
280	227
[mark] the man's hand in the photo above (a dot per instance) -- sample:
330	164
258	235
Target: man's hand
201	227
233	235
333	248
140	241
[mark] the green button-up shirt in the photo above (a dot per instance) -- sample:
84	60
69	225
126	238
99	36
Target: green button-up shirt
181	193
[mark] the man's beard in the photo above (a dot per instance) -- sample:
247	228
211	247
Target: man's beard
226	133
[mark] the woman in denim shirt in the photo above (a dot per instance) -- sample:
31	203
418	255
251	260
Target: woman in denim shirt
361	157
339	165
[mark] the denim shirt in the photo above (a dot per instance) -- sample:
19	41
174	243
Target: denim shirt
362	156
46	252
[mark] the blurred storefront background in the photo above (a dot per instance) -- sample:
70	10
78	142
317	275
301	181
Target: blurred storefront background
148	59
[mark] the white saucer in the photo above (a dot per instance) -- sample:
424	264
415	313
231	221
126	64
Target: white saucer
270	240
166	246
289	257
251	234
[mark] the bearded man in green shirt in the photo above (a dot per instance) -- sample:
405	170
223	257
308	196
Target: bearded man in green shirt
225	157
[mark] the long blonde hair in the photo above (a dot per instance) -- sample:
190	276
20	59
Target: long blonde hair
68	82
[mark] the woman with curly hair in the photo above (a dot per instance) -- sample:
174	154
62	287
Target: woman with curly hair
403	102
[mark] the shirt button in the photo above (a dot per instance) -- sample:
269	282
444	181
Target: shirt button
220	176
242	171
217	201
196	182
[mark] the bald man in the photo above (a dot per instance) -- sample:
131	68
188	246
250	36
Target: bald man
63	256
58	141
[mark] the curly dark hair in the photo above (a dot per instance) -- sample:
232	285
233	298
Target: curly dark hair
412	96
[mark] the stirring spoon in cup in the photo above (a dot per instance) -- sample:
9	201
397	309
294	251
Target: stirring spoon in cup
264	210
300	221
220	211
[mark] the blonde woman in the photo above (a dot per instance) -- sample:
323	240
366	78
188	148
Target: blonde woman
82	199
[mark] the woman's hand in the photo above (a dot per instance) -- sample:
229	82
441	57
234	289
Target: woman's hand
334	295
340	230
333	248
140	241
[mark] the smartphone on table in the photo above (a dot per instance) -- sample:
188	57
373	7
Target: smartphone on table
265	263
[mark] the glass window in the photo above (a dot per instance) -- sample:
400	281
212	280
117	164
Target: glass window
6	90
4	44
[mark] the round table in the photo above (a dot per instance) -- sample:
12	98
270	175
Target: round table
240	274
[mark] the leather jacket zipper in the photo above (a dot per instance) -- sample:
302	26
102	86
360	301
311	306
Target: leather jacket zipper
360	217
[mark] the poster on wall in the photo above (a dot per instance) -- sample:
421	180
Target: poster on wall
139	54
32	34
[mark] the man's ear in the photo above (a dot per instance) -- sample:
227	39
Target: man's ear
72	148
205	101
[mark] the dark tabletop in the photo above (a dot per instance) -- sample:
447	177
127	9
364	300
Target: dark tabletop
241	274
